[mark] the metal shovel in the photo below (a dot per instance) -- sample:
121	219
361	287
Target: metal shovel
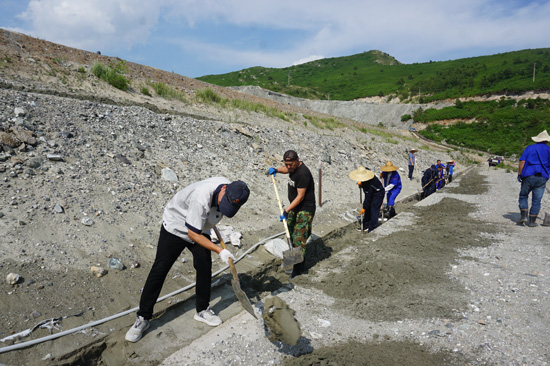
294	254
243	299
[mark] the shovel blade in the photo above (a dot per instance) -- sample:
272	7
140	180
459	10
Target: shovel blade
243	299
292	256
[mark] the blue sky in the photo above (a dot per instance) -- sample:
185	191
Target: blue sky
201	37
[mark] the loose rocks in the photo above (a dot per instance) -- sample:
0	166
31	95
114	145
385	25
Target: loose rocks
12	278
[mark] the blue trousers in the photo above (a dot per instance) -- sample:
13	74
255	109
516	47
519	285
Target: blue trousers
391	196
535	185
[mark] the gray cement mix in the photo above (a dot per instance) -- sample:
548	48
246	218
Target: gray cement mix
451	281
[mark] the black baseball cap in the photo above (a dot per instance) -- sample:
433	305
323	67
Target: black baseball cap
290	155
236	195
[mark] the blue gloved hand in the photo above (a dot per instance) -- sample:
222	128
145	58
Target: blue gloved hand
284	216
272	171
519	178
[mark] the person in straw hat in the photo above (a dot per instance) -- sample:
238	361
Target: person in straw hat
533	173
412	162
450	168
374	196
440	182
392	186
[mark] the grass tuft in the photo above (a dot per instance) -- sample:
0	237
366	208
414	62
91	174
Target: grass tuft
112	74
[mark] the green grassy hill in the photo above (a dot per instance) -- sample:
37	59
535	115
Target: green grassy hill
375	73
501	127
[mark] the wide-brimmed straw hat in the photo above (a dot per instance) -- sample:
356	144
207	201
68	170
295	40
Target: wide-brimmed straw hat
413	150
361	174
543	136
389	167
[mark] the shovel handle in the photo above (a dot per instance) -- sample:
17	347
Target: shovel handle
230	260
361	203
281	209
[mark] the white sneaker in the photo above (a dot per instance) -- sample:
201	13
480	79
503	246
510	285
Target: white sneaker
209	317
134	334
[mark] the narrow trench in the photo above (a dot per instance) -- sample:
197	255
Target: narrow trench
257	284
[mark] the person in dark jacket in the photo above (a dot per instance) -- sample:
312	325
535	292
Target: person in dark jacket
429	181
374	196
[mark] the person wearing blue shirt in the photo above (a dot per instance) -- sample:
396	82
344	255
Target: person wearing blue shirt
450	168
533	173
412	162
392	186
440	173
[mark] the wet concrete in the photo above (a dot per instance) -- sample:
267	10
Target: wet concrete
279	320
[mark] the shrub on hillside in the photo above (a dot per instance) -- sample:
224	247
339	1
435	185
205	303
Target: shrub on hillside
112	74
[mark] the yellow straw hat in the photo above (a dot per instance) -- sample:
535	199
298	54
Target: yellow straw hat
413	150
389	167
361	174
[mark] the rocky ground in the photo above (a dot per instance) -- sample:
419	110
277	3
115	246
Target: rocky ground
85	171
450	281
82	182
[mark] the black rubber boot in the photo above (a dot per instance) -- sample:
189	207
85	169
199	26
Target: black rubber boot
298	269
532	219
523	219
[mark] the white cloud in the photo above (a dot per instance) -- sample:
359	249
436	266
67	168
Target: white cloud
410	31
92	23
307	59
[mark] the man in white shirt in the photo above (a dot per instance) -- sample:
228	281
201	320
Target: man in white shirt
186	223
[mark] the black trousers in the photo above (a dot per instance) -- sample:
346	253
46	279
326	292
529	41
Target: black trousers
169	248
429	189
372	211
411	169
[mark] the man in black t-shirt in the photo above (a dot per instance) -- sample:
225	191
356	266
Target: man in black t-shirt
301	195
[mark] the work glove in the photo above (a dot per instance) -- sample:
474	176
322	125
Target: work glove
519	178
389	187
284	216
362	211
225	255
272	171
359	184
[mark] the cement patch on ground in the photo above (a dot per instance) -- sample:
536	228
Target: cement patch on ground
280	321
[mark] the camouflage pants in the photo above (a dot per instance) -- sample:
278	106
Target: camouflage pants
299	226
